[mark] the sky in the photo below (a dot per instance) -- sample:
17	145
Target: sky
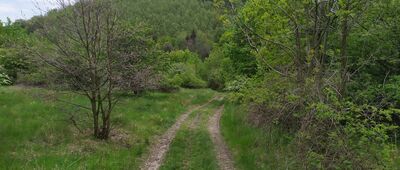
24	9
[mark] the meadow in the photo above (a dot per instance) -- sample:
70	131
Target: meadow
37	133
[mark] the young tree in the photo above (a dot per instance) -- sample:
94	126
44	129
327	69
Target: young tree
349	13
84	48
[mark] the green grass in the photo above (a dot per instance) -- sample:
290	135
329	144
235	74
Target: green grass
192	147
255	148
191	150
34	133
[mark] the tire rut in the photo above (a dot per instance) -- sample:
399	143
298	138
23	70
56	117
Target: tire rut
161	147
224	155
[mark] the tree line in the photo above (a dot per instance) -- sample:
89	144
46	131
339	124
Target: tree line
325	71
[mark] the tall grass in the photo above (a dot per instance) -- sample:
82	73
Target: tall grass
35	133
254	147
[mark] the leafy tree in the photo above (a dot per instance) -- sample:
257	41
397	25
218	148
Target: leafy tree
313	60
189	24
13	56
88	48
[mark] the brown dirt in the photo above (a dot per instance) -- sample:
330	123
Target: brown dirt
224	156
160	148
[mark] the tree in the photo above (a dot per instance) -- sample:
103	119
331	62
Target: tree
306	54
349	13
13	57
84	47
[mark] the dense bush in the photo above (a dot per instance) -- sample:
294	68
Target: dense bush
183	70
344	135
4	79
304	66
217	69
13	63
14	58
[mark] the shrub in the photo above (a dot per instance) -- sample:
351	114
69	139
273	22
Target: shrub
183	70
192	81
184	75
236	85
4	80
343	135
332	133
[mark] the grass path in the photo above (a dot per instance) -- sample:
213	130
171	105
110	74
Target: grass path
192	147
224	157
198	143
160	148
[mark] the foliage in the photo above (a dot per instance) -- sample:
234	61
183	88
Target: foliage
183	69
93	56
176	24
234	46
217	69
4	79
362	131
326	71
13	63
320	77
13	56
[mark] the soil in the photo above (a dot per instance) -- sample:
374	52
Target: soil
224	156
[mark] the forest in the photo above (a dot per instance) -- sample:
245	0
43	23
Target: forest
202	84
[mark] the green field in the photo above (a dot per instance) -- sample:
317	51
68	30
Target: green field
36	134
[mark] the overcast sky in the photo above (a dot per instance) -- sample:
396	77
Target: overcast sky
23	9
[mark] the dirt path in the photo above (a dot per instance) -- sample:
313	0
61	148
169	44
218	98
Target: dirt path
195	121
224	156
160	148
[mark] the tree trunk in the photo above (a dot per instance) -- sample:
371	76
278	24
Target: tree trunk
343	56
299	61
321	71
106	126
95	118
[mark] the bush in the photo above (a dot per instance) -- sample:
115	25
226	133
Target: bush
183	70
34	78
4	80
332	133
237	85
191	81
218	69
215	82
184	75
343	135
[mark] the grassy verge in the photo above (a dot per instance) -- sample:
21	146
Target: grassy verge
192	147
255	148
35	133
